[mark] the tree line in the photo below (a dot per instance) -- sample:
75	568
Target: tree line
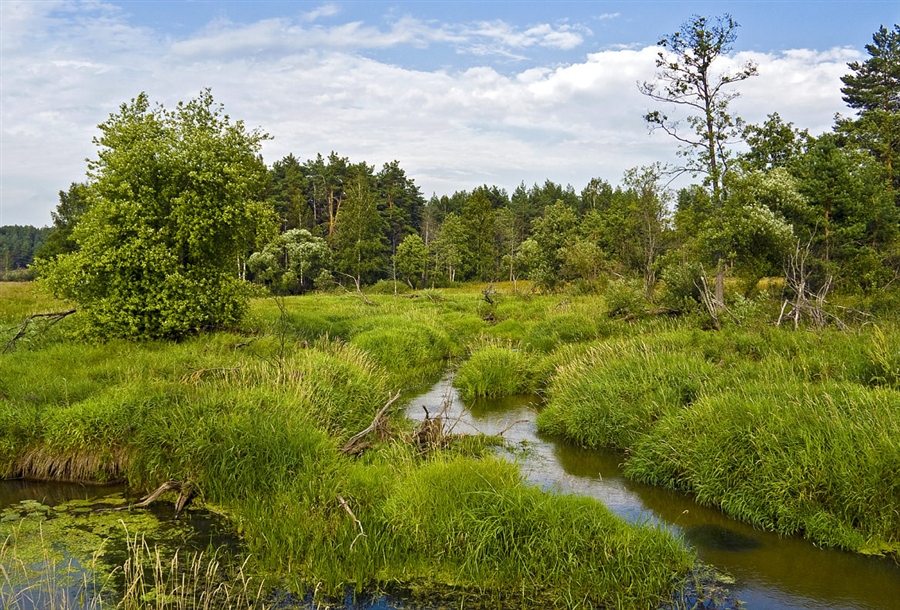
179	203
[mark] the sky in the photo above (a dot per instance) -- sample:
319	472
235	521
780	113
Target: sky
460	93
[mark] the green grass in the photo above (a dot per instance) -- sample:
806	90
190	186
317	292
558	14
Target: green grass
815	459
790	431
254	419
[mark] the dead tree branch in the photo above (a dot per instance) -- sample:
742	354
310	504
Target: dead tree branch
185	494
807	303
355	446
52	319
358	289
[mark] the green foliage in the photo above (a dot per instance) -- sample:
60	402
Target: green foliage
476	522
613	394
256	424
450	248
413	351
773	144
811	459
478	215
682	281
360	251
72	206
625	297
873	89
852	216
175	201
411	259
687	80
18	247
291	262
493	371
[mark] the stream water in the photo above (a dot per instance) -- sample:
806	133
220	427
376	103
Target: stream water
770	571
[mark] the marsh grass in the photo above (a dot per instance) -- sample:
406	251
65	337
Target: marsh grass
148	579
813	459
496	370
614	393
197	582
791	431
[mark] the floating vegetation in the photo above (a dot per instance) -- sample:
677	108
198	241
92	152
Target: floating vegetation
87	554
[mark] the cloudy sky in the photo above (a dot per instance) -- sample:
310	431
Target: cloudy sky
460	93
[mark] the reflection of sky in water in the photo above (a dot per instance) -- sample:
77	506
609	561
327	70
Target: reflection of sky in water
772	572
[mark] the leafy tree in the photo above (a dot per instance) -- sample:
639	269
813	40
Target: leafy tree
773	144
327	177
478	224
754	232
411	259
874	91
291	262
852	217
18	245
400	203
72	206
686	79
450	247
288	187
359	246
597	195
552	233
176	201
648	219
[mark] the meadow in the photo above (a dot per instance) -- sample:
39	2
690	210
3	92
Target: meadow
791	430
254	419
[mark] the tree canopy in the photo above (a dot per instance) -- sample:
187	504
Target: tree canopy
175	199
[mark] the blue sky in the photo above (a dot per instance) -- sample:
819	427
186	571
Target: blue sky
461	93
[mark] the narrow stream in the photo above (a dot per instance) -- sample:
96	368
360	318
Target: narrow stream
770	571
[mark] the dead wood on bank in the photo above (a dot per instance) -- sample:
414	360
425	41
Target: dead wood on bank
356	445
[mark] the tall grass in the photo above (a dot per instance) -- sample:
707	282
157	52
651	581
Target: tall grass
793	432
614	393
797	458
495	370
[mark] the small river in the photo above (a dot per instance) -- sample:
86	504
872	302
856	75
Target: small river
770	571
783	573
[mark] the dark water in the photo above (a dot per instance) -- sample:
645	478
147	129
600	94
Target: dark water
770	571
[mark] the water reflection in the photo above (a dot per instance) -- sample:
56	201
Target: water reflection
771	571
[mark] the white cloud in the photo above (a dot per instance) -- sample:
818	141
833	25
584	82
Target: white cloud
326	10
314	91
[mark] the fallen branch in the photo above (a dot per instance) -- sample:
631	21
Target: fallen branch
354	446
52	317
346	506
358	289
509	427
185	493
